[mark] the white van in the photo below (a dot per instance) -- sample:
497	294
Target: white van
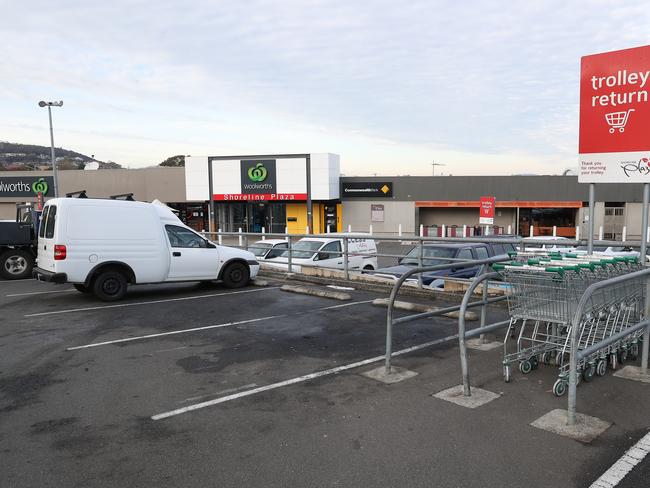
101	246
327	252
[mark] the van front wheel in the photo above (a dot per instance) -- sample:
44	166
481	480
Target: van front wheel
236	275
109	286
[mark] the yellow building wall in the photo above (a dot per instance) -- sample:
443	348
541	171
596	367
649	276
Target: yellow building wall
297	212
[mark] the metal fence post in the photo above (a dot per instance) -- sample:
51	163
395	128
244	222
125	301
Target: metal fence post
220	238
246	242
642	256
240	238
346	258
482	338
592	218
290	254
420	261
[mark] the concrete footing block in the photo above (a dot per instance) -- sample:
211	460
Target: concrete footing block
634	373
478	396
317	292
421	308
585	430
482	346
394	376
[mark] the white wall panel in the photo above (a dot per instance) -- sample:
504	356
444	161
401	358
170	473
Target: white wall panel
291	175
196	178
226	176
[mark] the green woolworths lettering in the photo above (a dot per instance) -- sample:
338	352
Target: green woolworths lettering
257	173
40	186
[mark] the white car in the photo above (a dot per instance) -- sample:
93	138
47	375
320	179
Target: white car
609	251
268	248
557	246
327	252
102	246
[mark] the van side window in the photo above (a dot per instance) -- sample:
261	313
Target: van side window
41	228
498	249
51	221
181	237
330	251
481	253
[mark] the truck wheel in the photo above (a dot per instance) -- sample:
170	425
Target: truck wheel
109	286
81	288
16	264
236	275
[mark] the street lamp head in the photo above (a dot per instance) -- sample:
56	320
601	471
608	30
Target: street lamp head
51	104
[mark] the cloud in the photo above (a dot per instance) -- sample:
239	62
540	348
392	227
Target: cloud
482	79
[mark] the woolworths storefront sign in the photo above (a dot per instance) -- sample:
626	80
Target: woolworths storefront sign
26	186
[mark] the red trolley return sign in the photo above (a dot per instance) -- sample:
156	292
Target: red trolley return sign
487	211
615	117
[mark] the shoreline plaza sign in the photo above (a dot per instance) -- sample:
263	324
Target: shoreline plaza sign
614	142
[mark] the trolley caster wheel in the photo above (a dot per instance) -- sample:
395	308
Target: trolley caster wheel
547	357
622	356
601	367
525	367
559	387
534	362
588	373
506	374
613	360
633	353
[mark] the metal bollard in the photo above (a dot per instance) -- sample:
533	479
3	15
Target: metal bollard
220	237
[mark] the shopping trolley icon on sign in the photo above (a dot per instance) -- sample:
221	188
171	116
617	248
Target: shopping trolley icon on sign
617	120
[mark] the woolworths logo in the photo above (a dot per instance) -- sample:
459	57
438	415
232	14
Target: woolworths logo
40	186
257	173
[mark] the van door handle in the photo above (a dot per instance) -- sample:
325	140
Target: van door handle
176	253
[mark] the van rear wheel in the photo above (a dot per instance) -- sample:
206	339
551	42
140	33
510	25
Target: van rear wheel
109	286
236	275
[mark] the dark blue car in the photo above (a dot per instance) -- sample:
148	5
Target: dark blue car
435	254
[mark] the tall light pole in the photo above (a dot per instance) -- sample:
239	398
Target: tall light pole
433	167
49	106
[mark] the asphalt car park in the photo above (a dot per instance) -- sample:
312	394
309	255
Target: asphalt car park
185	385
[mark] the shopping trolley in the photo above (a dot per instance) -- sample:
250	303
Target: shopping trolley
544	292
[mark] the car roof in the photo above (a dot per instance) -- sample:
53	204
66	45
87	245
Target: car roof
271	241
455	244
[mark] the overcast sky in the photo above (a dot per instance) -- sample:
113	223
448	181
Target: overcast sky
485	87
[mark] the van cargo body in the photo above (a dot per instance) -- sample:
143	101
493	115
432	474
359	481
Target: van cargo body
88	241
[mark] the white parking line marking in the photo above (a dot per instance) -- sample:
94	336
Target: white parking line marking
122	305
614	475
182	331
207	327
39	293
299	379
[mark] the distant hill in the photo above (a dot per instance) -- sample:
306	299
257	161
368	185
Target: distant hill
28	157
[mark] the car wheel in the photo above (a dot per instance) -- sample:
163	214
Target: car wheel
16	264
236	275
109	286
368	268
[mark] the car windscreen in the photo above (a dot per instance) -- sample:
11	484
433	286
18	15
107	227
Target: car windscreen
260	248
303	249
432	256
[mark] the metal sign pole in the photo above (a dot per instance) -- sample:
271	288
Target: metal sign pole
642	257
592	219
310	216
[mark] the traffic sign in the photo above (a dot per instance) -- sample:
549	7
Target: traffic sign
615	117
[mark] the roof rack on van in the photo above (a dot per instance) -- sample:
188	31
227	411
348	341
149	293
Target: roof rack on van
123	196
76	194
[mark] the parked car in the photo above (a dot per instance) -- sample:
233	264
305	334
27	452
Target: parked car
102	246
268	249
610	251
327	252
435	254
559	244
